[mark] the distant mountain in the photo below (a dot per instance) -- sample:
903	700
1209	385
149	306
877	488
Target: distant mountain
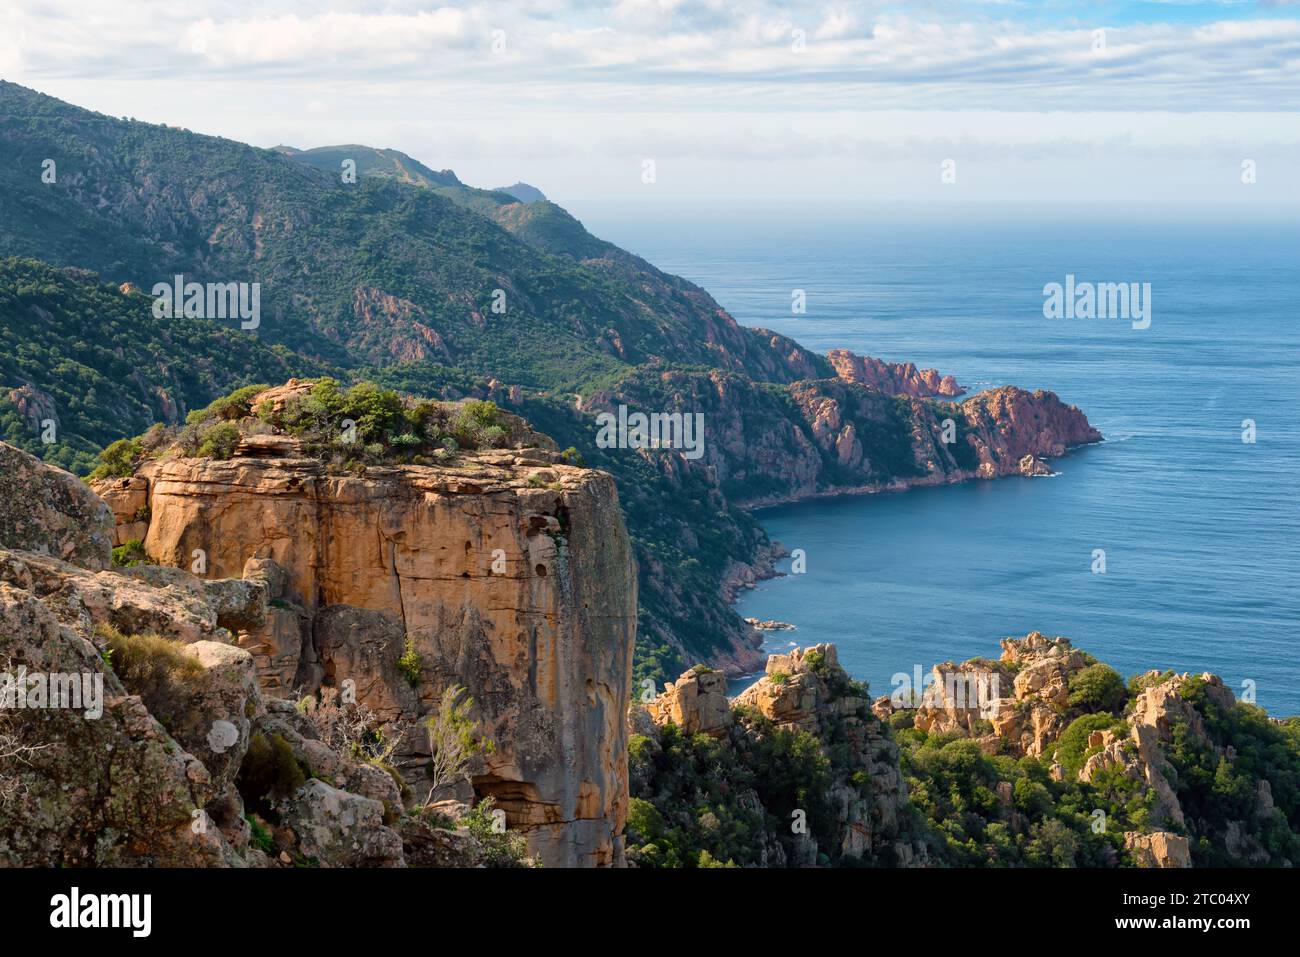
371	272
524	193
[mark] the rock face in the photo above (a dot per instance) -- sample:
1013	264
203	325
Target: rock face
509	574
47	510
893	378
1014	429
148	762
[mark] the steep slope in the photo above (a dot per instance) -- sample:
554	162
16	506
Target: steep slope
92	359
371	272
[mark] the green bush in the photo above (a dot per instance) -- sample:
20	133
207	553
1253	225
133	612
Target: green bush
118	460
130	554
1071	748
1097	688
228	408
410	662
269	773
500	848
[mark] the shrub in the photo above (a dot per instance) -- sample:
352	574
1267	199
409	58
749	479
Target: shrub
118	460
501	847
453	740
269	773
409	663
1097	688
779	678
1071	747
149	666
217	440
228	408
129	554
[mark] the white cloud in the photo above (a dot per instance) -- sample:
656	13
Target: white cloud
712	88
686	50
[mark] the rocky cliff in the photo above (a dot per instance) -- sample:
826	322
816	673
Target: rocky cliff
506	572
893	378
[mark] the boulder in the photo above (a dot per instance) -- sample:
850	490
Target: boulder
696	702
336	828
46	510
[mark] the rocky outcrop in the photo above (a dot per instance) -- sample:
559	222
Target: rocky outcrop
1018	702
769	624
35	407
128	498
507	572
142	769
1012	430
1158	849
893	378
806	691
696	702
112	790
47	510
1158	709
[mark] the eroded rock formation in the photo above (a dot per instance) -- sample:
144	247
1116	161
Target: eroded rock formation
507	573
805	691
894	378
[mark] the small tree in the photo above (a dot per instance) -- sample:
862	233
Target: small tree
13	751
453	740
353	729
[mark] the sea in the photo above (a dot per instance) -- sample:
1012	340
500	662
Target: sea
1173	544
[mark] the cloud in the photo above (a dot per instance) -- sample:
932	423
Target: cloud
666	53
330	38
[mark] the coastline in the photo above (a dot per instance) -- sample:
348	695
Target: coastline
741	576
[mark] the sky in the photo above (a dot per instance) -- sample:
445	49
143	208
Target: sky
736	102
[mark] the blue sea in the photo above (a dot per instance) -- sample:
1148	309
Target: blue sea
1200	530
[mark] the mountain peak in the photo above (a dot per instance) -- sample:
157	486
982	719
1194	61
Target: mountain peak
523	192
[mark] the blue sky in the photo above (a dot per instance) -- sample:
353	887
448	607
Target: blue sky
735	101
